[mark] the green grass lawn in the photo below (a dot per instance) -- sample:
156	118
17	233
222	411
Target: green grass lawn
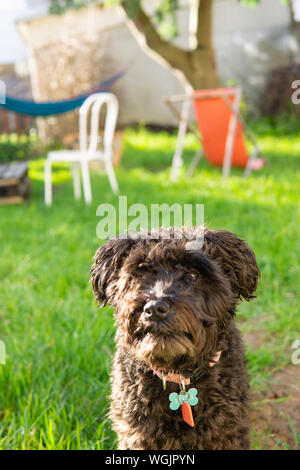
54	386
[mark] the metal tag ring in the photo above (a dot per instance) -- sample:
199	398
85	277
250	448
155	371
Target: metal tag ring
163	378
182	385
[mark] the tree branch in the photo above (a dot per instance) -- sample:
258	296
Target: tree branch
175	56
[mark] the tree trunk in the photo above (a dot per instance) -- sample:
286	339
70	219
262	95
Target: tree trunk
204	72
200	69
198	66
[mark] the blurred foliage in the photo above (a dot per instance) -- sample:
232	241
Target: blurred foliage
285	124
165	7
164	17
23	147
165	14
57	7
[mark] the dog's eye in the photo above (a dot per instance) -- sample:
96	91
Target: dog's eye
140	270
192	275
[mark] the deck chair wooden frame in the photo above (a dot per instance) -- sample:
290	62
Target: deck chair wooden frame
183	117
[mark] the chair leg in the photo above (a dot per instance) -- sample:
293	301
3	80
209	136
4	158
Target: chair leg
111	176
177	159
229	145
76	180
48	183
86	182
248	168
194	163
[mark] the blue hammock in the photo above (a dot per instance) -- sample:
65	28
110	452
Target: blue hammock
50	108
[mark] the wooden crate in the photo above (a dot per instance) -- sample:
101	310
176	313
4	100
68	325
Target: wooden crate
14	183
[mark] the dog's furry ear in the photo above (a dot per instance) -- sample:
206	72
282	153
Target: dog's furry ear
236	259
107	263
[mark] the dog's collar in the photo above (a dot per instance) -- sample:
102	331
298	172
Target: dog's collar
179	379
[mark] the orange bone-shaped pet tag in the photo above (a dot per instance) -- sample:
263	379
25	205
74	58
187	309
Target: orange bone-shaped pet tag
187	413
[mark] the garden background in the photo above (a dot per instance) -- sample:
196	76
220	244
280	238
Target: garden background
55	383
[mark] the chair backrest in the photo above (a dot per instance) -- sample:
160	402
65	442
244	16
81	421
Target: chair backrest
215	111
92	106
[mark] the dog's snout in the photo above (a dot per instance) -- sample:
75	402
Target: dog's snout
156	309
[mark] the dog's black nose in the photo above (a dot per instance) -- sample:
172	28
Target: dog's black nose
156	309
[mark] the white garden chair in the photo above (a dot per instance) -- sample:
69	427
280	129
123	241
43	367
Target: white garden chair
89	148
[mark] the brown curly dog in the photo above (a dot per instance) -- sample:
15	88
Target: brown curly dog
174	310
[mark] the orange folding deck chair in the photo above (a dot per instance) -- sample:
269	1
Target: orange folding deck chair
221	130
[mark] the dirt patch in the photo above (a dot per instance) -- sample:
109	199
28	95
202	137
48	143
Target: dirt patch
275	415
254	339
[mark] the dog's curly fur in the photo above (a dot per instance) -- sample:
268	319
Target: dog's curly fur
202	288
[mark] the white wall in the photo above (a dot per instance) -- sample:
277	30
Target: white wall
12	48
250	42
